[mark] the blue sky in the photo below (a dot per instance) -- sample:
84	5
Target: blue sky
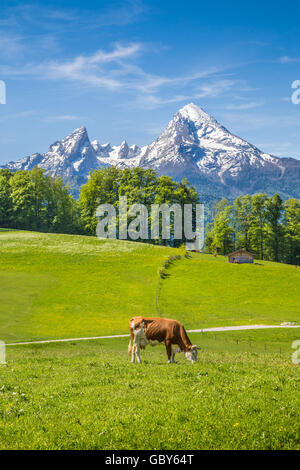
123	68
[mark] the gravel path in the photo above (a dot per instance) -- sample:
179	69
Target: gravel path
219	328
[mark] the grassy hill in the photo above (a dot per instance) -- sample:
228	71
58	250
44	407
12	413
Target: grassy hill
242	394
56	286
60	286
216	293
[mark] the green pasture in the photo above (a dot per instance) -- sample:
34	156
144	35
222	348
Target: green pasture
217	293
87	395
60	286
242	394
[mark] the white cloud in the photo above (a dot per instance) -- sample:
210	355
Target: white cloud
118	70
66	19
62	117
244	106
288	60
10	45
215	88
18	115
91	70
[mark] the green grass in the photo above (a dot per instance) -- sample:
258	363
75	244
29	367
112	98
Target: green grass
209	291
60	286
242	394
87	395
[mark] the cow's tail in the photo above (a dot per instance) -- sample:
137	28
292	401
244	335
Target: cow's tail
130	346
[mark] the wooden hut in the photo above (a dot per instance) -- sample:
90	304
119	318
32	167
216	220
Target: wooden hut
241	256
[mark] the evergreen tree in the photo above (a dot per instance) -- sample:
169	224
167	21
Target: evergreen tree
5	198
257	229
292	231
242	221
275	233
219	238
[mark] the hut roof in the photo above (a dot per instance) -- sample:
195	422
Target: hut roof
241	251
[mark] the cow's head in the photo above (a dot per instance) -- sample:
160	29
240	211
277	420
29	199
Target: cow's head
192	353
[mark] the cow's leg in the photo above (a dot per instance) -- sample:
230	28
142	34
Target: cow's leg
133	352
173	356
169	351
138	354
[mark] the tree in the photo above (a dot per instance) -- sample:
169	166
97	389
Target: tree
292	230
32	200
243	220
273	216
22	198
140	186
5	198
63	211
220	236
258	223
265	224
102	187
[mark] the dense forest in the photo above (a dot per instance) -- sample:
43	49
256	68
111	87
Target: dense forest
267	226
32	200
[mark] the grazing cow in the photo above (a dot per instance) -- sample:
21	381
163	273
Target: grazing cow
154	330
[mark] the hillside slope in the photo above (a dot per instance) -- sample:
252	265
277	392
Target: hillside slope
219	293
60	286
57	286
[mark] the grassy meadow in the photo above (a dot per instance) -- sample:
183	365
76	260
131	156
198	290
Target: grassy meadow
218	293
60	286
87	395
242	394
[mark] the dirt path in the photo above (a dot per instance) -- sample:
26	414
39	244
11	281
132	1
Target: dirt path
219	328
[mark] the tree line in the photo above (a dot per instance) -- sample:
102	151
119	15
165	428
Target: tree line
32	200
140	186
267	226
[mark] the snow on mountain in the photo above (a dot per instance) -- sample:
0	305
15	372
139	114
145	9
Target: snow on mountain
196	146
193	145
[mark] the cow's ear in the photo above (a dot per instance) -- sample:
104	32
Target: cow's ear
195	347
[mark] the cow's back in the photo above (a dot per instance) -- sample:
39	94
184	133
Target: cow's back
159	329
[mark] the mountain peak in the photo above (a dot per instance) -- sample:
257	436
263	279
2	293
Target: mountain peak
193	145
78	133
194	113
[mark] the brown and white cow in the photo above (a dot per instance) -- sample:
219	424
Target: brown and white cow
155	330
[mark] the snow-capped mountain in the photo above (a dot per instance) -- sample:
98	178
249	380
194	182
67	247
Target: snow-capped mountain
196	146
193	145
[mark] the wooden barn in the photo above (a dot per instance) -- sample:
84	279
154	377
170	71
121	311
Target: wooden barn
241	256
